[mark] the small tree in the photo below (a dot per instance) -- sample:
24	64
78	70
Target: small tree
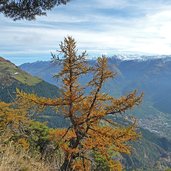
27	9
91	131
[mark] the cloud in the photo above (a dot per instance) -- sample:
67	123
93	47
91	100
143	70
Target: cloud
99	27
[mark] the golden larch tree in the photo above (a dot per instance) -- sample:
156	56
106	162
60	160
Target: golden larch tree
13	121
91	131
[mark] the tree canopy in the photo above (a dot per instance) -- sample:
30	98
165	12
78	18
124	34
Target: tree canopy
28	9
91	131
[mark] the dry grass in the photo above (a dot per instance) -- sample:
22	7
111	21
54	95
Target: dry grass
12	159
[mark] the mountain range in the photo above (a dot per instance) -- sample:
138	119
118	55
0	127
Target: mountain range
152	76
151	152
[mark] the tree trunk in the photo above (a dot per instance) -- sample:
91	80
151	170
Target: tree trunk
66	166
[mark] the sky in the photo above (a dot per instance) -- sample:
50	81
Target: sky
99	26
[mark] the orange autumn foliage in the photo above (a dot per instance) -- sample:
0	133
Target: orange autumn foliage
91	130
13	121
12	116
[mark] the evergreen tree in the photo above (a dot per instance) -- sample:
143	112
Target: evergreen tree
27	9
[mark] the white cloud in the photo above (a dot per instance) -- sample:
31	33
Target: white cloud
110	3
97	32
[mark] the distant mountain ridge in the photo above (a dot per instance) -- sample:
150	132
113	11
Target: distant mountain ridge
140	57
151	76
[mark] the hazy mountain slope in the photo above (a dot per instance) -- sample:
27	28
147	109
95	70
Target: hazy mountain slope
149	153
44	70
151	76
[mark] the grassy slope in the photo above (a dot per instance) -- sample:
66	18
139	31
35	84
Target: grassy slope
13	71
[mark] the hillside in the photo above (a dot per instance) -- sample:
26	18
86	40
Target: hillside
12	77
150	153
151	76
